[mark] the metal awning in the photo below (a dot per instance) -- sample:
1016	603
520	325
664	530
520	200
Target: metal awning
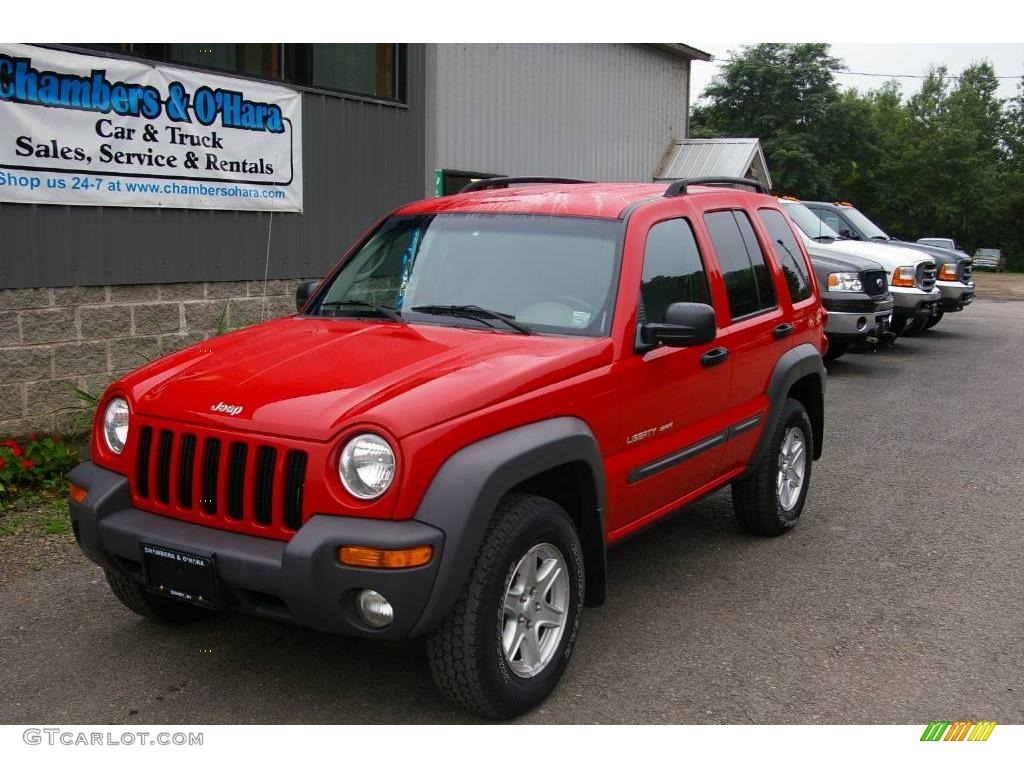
692	158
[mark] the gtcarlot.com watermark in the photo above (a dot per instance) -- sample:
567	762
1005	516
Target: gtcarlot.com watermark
71	737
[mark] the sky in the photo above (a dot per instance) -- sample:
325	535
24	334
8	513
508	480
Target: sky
891	58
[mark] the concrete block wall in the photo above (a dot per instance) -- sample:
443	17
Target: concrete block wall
55	339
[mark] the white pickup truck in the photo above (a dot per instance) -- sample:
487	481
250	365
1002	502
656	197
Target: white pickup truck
912	274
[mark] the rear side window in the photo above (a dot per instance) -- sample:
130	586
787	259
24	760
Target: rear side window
787	253
673	270
747	279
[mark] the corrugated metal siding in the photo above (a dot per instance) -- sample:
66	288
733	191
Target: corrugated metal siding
360	159
603	112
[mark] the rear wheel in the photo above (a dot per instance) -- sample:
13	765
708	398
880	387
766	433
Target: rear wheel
769	500
509	637
135	597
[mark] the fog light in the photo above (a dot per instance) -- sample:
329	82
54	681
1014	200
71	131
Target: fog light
375	609
862	323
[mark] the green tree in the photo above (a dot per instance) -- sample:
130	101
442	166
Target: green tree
779	93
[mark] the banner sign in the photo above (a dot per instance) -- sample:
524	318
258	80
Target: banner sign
83	130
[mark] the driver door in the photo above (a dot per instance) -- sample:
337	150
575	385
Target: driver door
674	399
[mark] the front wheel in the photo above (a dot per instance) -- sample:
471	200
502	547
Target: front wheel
934	319
768	501
836	349
508	639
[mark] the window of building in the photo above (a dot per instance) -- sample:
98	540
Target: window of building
255	59
673	270
365	69
787	253
747	279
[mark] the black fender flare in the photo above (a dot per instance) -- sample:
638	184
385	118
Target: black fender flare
464	493
797	363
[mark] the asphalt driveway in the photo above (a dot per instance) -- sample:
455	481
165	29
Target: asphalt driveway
899	598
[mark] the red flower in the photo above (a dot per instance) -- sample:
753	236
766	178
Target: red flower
9	443
1	462
16	450
27	464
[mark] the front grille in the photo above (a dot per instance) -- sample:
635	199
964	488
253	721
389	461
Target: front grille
875	283
241	483
926	274
965	270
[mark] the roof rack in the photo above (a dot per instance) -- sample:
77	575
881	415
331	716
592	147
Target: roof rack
678	187
501	182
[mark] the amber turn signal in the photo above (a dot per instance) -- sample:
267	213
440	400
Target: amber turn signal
370	557
904	277
77	493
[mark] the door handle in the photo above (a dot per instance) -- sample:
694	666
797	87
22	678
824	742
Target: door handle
782	331
714	356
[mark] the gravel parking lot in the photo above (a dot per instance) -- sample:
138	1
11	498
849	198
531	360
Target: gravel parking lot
899	598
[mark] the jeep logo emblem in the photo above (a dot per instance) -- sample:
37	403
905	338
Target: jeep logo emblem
230	410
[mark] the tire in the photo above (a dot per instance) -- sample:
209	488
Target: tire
898	325
934	319
760	504
836	349
163	609
467	654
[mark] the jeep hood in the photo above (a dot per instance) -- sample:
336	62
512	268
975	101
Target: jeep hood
307	377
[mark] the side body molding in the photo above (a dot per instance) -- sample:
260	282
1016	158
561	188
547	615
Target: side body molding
466	490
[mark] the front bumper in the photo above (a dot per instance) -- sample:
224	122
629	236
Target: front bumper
856	316
954	295
299	581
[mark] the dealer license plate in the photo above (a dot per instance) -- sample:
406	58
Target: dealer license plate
180	575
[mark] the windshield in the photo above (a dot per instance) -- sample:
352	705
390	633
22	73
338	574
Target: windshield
551	274
809	224
866	228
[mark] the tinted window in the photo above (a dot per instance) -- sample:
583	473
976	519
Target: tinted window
673	270
747	280
787	253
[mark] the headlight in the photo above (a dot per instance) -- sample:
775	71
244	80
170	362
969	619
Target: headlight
367	466
904	277
115	424
844	281
947	272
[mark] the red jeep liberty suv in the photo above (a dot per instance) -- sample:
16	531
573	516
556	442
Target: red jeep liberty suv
487	391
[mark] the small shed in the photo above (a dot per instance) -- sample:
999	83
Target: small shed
693	158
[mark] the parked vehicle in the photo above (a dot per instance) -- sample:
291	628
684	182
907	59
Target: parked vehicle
989	258
939	242
488	390
955	267
911	274
855	293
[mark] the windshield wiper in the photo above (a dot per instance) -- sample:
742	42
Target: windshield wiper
824	239
378	308
880	237
473	312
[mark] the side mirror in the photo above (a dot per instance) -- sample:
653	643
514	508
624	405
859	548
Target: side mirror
686	325
303	291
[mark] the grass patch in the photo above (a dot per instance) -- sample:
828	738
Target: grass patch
43	513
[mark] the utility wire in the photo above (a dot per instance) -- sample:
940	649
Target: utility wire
883	74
